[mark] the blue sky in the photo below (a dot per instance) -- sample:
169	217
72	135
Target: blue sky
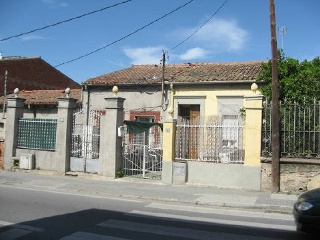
239	31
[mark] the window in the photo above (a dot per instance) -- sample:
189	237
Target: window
230	130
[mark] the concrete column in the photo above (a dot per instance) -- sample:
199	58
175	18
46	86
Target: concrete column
61	161
252	130
15	109
110	158
168	155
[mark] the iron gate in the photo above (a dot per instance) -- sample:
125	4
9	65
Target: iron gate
85	141
142	150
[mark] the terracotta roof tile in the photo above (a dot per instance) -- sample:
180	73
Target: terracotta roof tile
32	74
45	97
184	73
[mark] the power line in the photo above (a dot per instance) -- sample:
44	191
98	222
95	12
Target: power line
126	36
64	21
200	26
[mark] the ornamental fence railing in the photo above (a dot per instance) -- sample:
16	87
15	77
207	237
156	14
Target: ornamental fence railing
299	129
218	142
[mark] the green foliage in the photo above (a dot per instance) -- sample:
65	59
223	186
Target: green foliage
119	173
298	81
242	111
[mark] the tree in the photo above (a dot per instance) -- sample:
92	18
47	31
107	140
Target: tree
298	81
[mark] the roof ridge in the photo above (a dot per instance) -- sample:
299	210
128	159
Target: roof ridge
19	58
201	63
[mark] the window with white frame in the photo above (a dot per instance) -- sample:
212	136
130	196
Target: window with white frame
229	112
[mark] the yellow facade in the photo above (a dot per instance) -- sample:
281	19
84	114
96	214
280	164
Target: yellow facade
252	106
211	101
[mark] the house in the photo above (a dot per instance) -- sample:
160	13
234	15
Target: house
201	90
38	81
31	73
208	117
204	98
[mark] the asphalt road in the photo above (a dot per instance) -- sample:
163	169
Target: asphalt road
42	214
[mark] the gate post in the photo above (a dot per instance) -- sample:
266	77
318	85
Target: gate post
64	131
252	130
168	148
110	143
15	109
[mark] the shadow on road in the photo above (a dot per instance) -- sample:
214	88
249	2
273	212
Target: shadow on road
135	226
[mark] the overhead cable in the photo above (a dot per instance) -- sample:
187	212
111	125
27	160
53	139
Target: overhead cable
64	21
200	26
126	36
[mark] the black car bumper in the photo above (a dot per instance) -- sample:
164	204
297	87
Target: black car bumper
306	222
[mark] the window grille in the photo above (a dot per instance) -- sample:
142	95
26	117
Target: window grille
35	133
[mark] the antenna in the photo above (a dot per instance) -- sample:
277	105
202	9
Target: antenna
283	31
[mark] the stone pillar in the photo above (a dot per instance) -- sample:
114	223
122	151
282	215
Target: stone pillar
252	130
15	111
66	106
168	145
110	158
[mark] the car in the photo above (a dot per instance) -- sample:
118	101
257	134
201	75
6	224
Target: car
306	211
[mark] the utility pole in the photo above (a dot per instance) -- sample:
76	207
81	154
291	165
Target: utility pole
275	173
163	68
163	94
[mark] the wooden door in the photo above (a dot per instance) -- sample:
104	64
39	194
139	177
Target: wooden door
194	131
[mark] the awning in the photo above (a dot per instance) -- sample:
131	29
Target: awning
140	127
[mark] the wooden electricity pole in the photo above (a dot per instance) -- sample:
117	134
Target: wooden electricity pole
275	173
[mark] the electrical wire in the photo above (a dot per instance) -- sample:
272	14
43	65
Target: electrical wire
193	33
202	25
64	21
126	36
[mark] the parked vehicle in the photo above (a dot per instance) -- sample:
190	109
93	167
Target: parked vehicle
306	211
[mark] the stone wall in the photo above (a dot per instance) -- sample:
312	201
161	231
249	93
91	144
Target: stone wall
296	175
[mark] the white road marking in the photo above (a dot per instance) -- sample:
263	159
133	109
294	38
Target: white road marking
228	212
91	236
176	232
173	217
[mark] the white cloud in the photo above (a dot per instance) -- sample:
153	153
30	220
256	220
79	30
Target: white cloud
63	4
48	1
223	34
193	54
217	36
30	37
53	3
147	55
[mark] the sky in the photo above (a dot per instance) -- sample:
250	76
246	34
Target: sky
85	39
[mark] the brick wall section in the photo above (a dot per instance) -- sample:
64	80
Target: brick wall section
295	176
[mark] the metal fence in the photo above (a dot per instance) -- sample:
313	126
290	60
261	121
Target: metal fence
35	133
299	129
218	142
142	153
85	138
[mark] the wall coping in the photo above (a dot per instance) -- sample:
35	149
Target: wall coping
314	161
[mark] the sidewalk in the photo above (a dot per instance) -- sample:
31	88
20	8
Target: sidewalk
148	190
